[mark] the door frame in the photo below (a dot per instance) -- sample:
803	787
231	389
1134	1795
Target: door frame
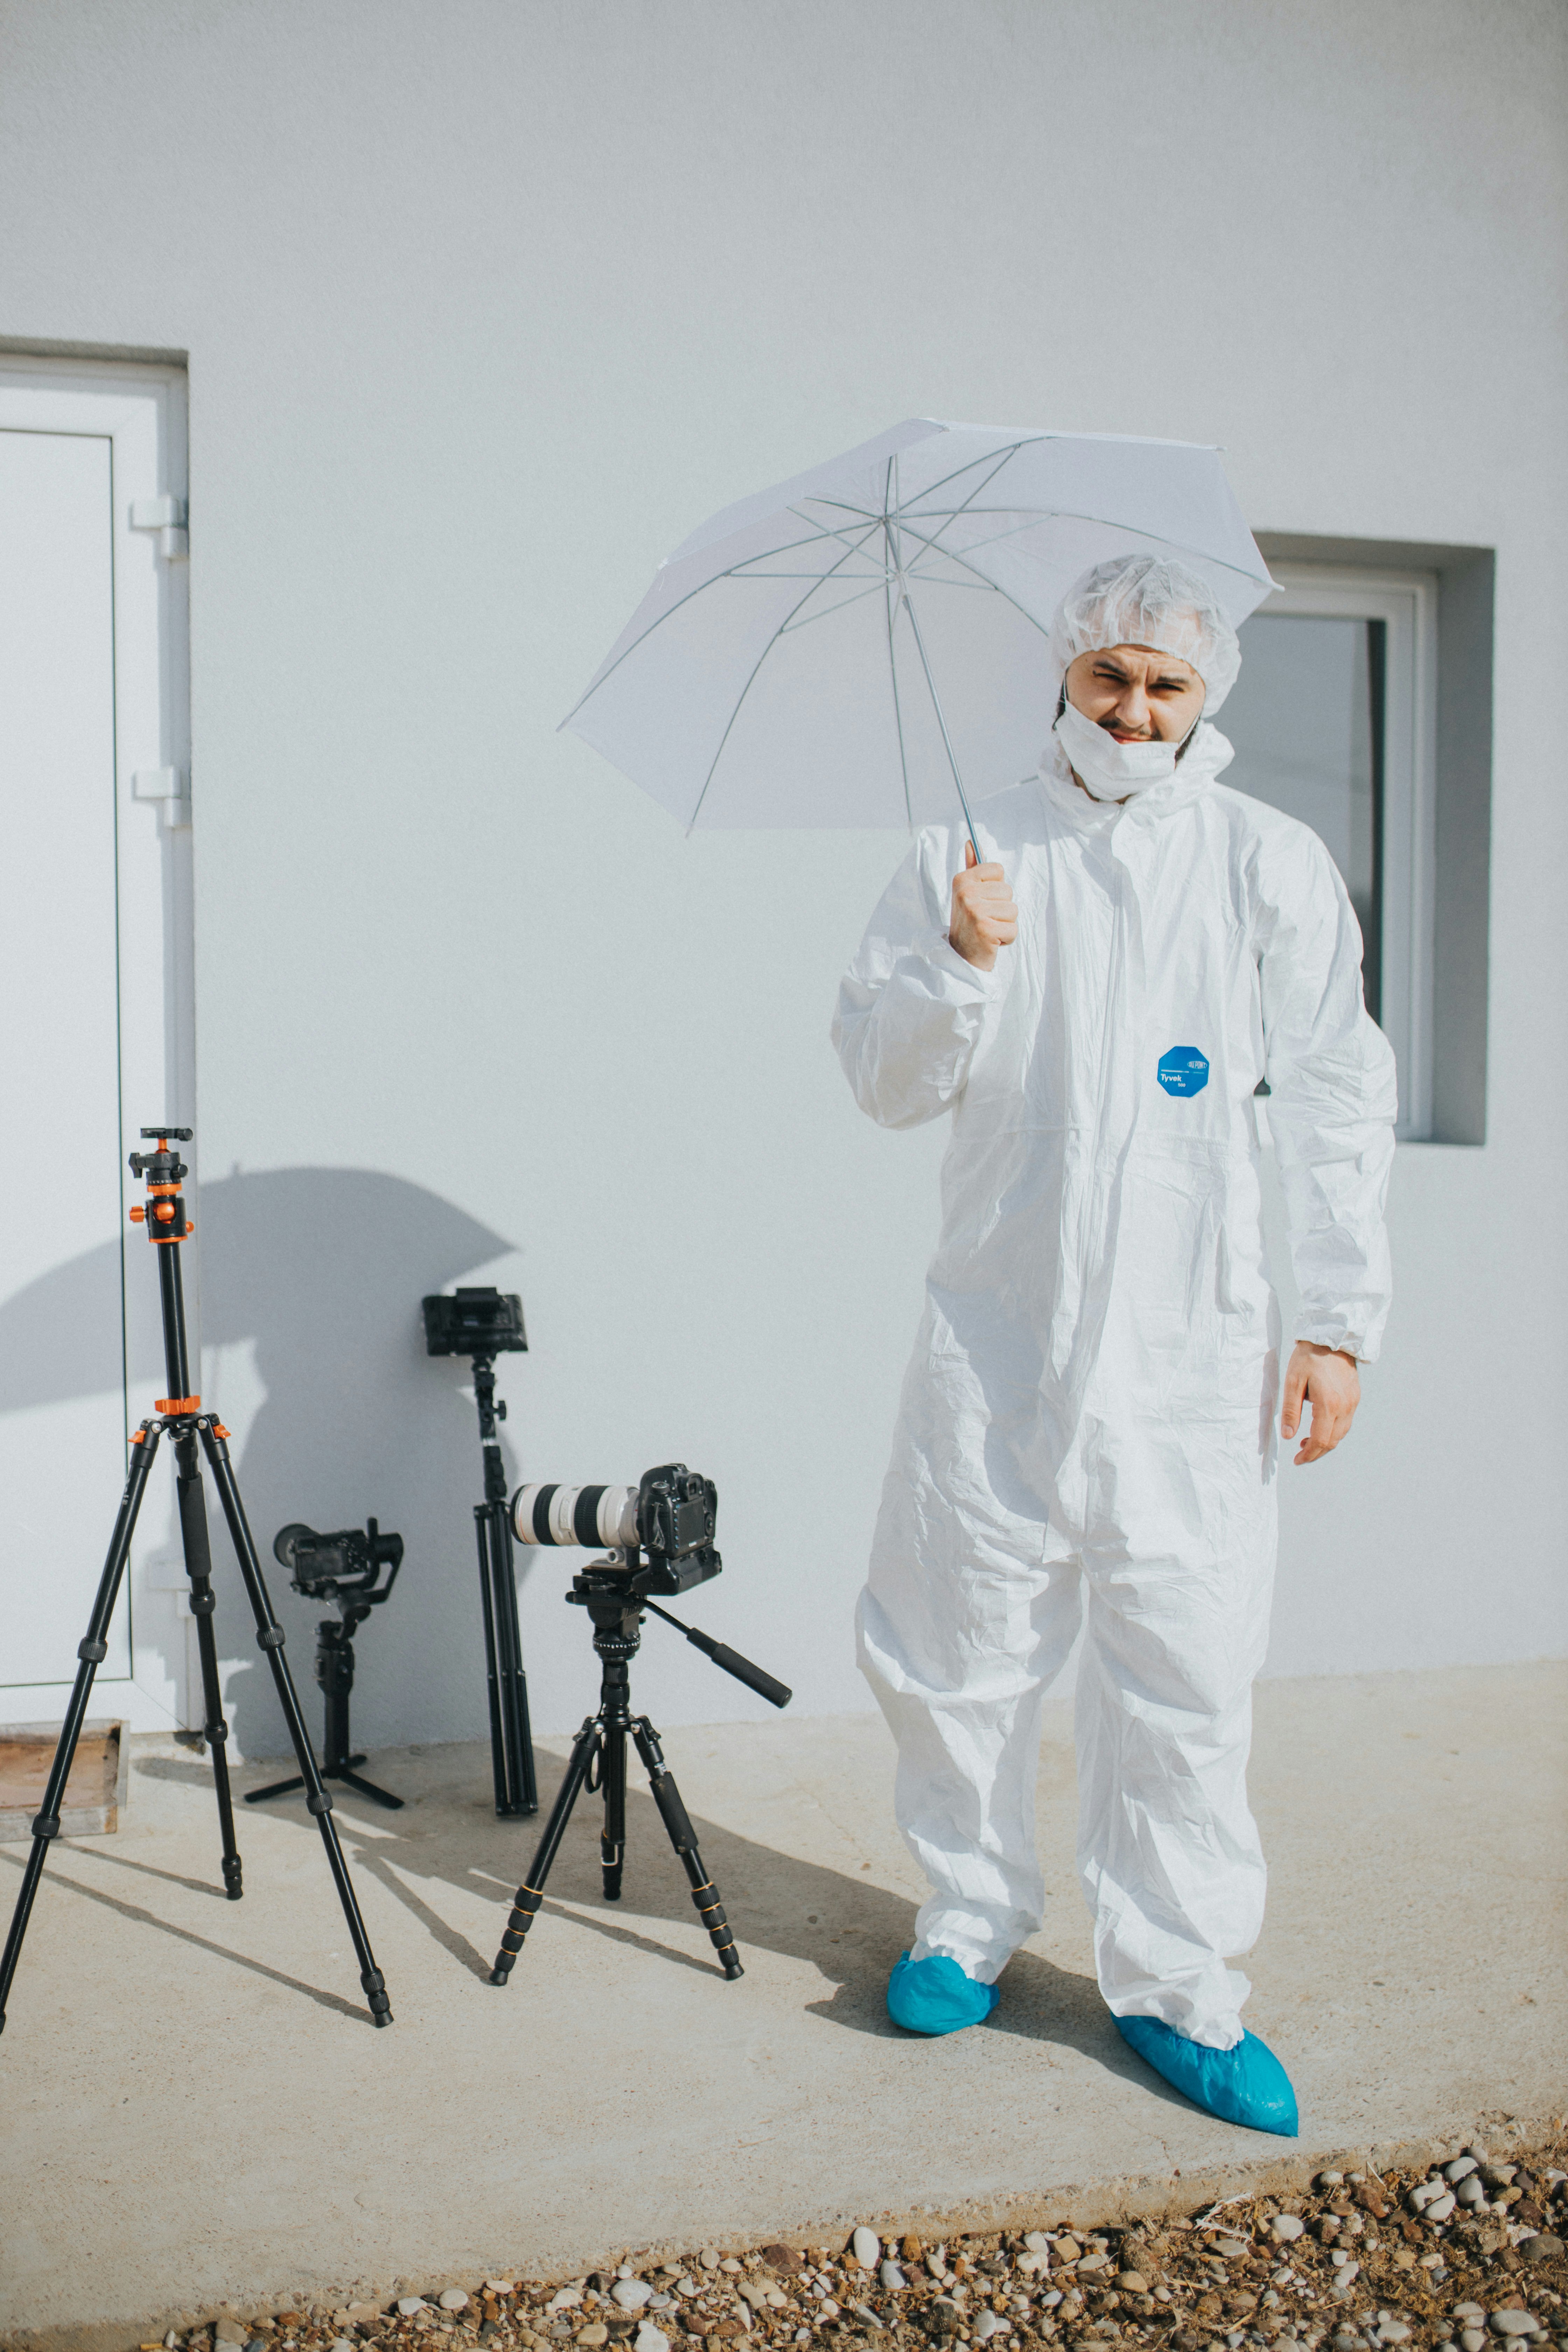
141	409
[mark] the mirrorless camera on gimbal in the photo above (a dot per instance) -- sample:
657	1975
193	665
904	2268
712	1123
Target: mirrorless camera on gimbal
347	1561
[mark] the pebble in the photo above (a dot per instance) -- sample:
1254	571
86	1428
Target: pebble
1234	2249
867	2248
651	2339
631	2293
1132	2282
1440	2208
566	2298
1036	2241
1515	2322
409	2304
342	2344
1284	2227
452	2298
594	2334
989	2323
1460	2169
892	2278
1393	2331
1542	2247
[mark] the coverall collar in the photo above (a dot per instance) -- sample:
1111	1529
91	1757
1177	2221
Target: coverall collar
1209	754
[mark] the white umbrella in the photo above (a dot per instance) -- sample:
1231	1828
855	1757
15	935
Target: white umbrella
821	653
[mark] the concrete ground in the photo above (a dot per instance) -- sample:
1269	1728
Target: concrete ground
199	2112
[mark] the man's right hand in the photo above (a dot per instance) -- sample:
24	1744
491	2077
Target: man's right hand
984	916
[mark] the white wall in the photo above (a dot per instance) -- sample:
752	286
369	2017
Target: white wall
486	305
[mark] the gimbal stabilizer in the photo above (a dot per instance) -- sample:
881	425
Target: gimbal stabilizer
180	1415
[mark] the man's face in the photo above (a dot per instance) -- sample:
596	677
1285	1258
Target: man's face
1137	696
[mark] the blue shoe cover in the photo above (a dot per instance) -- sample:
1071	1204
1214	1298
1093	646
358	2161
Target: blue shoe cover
934	1996
1244	2086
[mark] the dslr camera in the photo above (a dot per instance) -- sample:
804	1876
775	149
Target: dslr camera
670	1515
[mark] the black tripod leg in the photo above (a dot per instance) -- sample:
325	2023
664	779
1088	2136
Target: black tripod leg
269	1635
367	1788
199	1569
683	1838
531	1893
613	1837
90	1653
273	1788
515	1728
493	1664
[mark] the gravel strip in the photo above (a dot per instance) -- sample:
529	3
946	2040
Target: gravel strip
1467	2257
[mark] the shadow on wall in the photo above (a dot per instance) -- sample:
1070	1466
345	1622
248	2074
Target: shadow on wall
318	1272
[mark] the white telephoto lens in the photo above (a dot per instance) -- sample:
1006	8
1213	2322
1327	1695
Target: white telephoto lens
575	1515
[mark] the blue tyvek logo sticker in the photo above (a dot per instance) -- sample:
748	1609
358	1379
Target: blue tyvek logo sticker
1183	1071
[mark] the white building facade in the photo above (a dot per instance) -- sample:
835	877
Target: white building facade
358	363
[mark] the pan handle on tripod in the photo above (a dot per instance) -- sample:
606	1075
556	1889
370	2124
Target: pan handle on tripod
755	1678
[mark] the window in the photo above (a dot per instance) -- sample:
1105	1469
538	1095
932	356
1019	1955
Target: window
1334	721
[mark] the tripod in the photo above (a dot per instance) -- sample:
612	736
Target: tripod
179	1415
512	1739
483	1324
614	1592
355	1596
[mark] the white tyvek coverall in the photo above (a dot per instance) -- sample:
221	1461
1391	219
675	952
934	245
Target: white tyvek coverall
1087	1426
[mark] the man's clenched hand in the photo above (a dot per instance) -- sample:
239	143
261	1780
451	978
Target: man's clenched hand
1327	1380
984	916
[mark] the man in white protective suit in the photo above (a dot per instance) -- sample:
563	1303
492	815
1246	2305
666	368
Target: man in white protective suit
1088	1432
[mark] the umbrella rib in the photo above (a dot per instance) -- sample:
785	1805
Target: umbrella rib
1078	514
731	571
790	627
750	681
1005	458
953	557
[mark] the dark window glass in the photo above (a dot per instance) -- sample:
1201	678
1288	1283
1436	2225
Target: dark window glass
1306	719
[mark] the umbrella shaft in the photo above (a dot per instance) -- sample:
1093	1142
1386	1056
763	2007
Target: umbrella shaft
941	722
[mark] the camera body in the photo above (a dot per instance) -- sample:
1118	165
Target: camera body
670	1517
348	1561
481	1322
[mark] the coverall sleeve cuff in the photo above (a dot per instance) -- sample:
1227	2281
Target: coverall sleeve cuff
1335	1336
940	952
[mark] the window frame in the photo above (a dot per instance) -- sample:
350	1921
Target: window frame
1406	603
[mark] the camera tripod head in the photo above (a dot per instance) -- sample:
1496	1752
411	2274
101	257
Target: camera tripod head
163	1213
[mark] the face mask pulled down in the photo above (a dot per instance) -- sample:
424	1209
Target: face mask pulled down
1112	771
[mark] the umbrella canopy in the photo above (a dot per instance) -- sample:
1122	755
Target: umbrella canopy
845	648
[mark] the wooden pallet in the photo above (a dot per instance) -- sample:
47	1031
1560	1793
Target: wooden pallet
94	1793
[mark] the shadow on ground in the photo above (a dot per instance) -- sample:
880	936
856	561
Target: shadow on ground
849	1929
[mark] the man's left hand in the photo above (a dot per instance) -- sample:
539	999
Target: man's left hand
1327	1380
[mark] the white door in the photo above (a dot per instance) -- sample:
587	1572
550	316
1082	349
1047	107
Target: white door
95	1003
